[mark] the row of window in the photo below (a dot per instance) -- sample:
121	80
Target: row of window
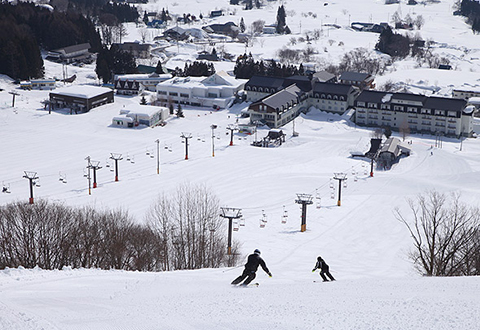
400	108
260	89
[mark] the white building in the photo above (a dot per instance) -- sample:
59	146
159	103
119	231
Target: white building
417	113
136	115
217	91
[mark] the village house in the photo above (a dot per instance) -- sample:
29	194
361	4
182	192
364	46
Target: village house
357	79
74	53
417	113
217	91
80	98
136	49
136	115
39	84
324	76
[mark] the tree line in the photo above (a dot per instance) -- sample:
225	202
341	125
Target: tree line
246	67
182	231
471	10
27	28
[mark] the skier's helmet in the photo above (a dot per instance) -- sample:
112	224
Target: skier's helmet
319	258
257	251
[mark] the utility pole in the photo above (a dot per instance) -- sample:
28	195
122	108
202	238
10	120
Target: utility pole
340	177
186	136
231	128
304	199
116	158
158	155
95	165
230	213
31	176
213	127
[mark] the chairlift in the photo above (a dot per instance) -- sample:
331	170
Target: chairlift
132	160
355	178
170	149
241	221
37	183
345	184
85	173
332	195
203	139
235	226
262	223
107	164
111	169
6	189
128	157
331	184
147	152
284	216
365	172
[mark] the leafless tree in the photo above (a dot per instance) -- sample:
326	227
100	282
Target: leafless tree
189	224
257	26
445	235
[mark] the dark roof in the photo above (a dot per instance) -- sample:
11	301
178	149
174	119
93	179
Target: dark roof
282	97
331	88
74	48
323	76
354	76
302	82
128	46
443	103
373	96
264	81
409	97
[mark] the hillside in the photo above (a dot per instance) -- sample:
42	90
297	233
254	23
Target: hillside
365	246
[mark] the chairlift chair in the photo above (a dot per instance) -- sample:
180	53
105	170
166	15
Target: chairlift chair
262	223
235	226
241	221
6	189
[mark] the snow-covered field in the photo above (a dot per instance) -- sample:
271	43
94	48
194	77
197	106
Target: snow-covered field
365	246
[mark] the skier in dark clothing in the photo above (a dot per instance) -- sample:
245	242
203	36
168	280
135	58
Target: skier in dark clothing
254	260
324	269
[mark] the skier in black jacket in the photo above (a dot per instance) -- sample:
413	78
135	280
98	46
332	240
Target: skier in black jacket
324	269
254	260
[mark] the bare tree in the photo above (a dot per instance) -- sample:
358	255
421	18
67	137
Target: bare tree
445	235
189	224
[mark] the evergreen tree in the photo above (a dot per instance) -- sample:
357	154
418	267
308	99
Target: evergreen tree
159	68
145	18
143	101
242	25
179	111
281	20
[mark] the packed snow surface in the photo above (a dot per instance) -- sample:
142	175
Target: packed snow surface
365	246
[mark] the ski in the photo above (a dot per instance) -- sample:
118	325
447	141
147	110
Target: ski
322	281
246	285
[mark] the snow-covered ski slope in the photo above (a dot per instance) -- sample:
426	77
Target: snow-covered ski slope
365	246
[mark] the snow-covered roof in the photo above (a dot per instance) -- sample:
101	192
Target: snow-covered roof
139	109
83	91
